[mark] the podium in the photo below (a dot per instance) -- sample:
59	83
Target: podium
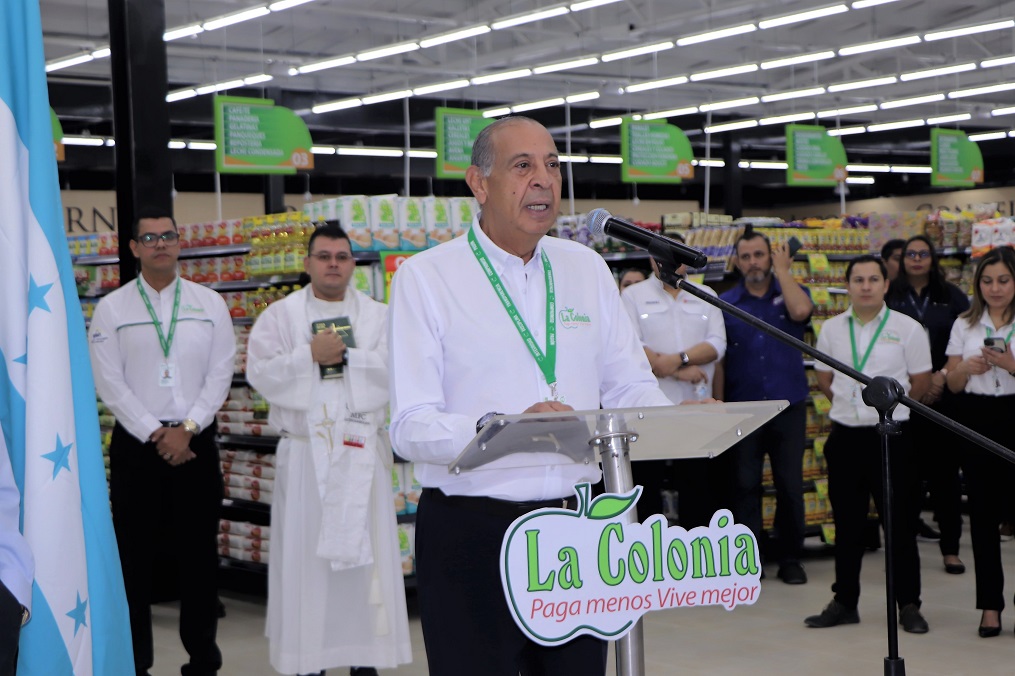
619	436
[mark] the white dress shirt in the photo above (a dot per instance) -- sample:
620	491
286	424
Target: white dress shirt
966	341
671	325
455	355
126	355
901	349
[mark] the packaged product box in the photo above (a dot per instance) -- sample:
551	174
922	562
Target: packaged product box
436	220
397	491
461	211
106	247
351	212
363	280
982	238
413	489
407	547
409	220
381	209
767	511
244	528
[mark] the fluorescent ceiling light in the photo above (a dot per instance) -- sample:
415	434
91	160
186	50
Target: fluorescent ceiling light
218	87
794	60
860	180
881	44
802	16
909	169
731	126
180	95
388	96
637	51
797	94
387	51
336	105
83	140
330	63
935	72
110	142
529	18
709	163
442	87
716	35
843	112
286	4
1003	111
914	101
901	124
177	145
536	105
201	145
944	119
452	37
589	4
732	103
293	71
578	98
322	150
370	152
606	159
724	72
977	91
423	154
498	77
68	62
238	17
655	84
993	63
781	119
566	65
673	112
860	84
257	79
183	32
765	164
869	168
606	122
988	136
862	4
101	53
744	164
847	131
496	112
577	159
969	30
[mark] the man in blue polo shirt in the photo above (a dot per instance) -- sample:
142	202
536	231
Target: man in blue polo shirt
759	367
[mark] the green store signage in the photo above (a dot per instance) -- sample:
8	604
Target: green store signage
591	572
954	159
654	152
254	136
457	129
813	157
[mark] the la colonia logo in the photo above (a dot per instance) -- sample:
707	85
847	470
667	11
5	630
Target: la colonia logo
570	319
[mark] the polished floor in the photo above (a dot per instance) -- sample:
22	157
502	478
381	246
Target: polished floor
766	638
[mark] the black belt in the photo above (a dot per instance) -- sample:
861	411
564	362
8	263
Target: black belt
495	506
171	423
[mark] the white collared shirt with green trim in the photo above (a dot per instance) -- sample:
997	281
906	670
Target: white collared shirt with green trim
967	341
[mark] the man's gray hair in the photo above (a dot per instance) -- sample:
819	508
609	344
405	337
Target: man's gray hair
482	147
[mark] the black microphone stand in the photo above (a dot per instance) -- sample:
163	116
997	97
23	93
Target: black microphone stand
881	393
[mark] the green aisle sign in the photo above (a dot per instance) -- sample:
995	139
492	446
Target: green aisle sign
254	136
654	152
813	157
457	128
954	159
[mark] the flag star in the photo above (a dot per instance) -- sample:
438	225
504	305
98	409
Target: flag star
37	295
23	359
78	614
59	456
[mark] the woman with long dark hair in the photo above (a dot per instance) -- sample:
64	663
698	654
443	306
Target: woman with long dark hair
980	366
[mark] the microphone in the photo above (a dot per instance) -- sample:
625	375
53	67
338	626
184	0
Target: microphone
601	221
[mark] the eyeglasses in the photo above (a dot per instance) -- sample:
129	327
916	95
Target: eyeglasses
150	239
325	257
914	255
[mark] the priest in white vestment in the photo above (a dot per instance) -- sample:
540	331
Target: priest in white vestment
335	588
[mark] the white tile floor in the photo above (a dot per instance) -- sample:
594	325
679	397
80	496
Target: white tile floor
767	638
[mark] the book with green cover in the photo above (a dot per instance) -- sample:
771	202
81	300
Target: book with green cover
343	327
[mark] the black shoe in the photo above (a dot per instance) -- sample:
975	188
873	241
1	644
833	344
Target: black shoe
925	532
362	671
792	573
833	615
955	568
912	621
989	632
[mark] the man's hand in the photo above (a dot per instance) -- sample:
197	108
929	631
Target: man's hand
937	385
173	445
327	348
691	374
781	260
547	407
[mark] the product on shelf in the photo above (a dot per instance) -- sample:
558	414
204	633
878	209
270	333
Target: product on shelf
436	220
383	229
407	547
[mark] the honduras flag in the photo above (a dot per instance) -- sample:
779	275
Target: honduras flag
48	415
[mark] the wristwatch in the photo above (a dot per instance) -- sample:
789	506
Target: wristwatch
684	359
487	417
191	426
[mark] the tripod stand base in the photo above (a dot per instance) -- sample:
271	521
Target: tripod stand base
895	666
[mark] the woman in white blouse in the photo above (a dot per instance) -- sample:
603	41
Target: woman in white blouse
983	374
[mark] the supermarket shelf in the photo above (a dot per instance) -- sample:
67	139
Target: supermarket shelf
211	252
243	321
252	566
95	259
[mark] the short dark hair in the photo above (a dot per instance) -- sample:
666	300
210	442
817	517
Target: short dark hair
891	246
145	213
330	231
482	147
866	258
748	236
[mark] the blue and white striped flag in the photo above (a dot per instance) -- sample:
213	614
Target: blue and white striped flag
50	426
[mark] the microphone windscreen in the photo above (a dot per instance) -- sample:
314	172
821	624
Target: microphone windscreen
596	221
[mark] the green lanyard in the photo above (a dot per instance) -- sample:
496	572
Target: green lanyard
858	365
163	340
1007	339
546	362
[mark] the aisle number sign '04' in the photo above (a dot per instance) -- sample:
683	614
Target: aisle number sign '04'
589	572
254	136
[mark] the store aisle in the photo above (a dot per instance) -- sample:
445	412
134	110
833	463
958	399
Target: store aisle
767	638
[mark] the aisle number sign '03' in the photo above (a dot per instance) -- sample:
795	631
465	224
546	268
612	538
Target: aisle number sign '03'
813	157
954	159
589	572
254	136
654	152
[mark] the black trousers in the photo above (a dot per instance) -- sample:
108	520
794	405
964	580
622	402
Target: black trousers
467	627
939	458
153	502
703	485
854	476
11	612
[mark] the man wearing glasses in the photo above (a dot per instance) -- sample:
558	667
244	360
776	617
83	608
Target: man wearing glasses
319	356
162	353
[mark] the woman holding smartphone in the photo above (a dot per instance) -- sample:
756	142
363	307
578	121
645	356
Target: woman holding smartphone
980	367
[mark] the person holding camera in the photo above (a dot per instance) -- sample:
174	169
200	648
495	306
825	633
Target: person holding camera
980	366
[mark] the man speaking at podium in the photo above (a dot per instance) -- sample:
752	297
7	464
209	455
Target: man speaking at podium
473	333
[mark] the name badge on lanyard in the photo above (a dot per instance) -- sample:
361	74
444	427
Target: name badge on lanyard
167	368
167	374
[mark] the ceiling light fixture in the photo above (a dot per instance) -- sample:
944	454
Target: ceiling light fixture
218	87
68	62
322	150
901	124
496	112
843	112
451	37
731	126
183	32
499	77
863	4
977	91
767	164
177	145
860	180
988	136
909	169
579	98
576	159
1002	111
286	4
370	152
238	17
566	65
529	18
180	95
862	84
802	16
330	63
606	159
655	84
709	163
387	96
423	154
637	51
969	30
83	140
606	122
994	63
732	103
442	87
781	119
794	60
880	44
387	51
846	131
717	34
914	101
869	168
257	79
336	105
945	119
675	112
589	4
536	105
797	94
935	72
101	53
724	72
201	145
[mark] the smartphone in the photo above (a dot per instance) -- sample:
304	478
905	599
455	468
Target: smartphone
794	246
995	343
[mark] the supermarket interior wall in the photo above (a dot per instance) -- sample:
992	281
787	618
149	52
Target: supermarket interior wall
955	201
